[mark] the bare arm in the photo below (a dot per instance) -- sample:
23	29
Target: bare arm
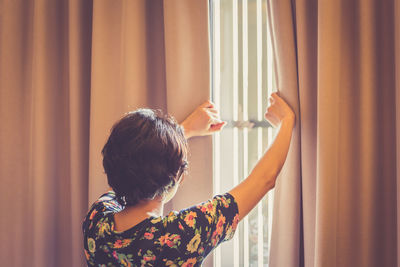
205	120
262	178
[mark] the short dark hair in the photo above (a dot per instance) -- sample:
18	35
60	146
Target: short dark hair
144	156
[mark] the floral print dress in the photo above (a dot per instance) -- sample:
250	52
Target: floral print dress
182	238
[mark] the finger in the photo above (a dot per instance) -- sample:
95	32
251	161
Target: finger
278	98
213	118
208	104
271	100
217	127
275	96
268	116
214	121
213	110
271	119
271	109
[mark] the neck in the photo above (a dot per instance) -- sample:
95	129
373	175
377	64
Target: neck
148	208
132	215
154	207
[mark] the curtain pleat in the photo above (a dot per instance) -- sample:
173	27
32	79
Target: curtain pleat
342	55
44	100
397	59
15	73
128	71
79	54
68	71
286	222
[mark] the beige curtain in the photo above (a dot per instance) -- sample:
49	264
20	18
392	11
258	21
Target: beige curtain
335	201
68	70
397	59
44	113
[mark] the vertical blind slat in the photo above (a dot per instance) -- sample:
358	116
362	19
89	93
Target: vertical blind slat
216	98
245	118
259	117
235	105
269	130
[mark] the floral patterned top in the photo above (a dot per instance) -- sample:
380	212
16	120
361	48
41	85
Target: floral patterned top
181	238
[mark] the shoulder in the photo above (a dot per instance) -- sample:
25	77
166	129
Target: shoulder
105	205
108	202
224	204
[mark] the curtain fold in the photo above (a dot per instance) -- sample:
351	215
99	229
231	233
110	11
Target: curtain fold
126	74
338	58
397	58
187	62
68	71
286	223
188	83
44	102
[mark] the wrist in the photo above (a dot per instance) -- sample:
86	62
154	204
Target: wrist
288	122
186	130
289	119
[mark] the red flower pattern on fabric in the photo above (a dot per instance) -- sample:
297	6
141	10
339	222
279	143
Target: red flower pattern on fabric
183	238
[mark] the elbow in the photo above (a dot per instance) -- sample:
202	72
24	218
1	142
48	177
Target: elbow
270	184
271	178
265	178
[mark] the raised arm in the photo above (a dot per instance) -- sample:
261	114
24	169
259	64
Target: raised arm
262	178
205	120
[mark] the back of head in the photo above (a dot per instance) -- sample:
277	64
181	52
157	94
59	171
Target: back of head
144	156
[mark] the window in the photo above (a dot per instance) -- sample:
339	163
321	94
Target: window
242	79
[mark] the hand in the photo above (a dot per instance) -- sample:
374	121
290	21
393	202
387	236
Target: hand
204	120
278	111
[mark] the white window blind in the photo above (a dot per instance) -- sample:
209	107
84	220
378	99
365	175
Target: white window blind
242	79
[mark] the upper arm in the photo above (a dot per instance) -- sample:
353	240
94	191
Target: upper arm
204	226
248	193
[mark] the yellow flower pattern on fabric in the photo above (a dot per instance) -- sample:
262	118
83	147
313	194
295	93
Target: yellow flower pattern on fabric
194	243
91	245
181	238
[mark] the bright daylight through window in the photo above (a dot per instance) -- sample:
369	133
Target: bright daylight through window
242	79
